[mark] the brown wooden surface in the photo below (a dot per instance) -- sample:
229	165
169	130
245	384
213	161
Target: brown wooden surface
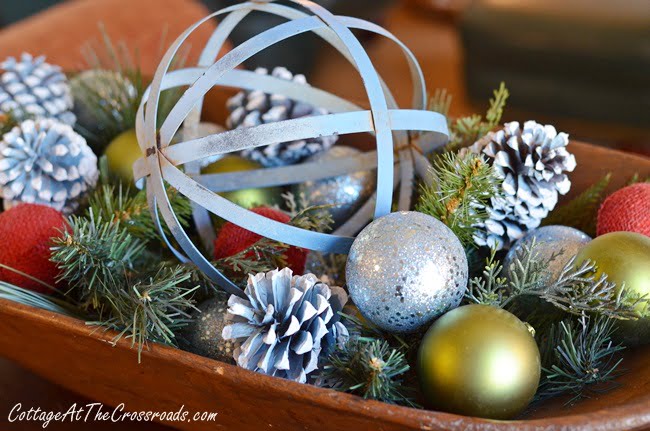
67	352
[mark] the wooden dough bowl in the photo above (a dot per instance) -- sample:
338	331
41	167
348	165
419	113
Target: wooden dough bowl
69	353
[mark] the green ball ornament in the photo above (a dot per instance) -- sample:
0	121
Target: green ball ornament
247	198
625	258
122	153
481	361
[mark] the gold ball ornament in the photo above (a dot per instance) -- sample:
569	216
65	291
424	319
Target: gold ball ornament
122	153
625	258
246	198
481	361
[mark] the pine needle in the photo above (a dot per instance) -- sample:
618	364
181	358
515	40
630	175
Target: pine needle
465	131
151	309
94	258
113	201
440	102
462	187
579	358
576	291
369	368
38	300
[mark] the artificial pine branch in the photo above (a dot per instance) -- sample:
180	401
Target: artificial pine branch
38	300
112	201
461	188
636	178
576	291
581	212
579	358
316	218
263	256
370	368
440	102
490	288
94	257
465	131
152	308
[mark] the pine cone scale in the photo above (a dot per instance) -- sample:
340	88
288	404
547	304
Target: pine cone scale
253	108
288	323
533	162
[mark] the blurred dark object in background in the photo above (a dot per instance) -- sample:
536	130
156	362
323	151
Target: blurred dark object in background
578	59
13	10
299	53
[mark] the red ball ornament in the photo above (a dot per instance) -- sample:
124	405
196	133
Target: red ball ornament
26	233
628	210
233	239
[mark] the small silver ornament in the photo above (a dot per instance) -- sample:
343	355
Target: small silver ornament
348	192
405	269
204	334
550	240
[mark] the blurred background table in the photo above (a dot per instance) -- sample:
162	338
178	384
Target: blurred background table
430	28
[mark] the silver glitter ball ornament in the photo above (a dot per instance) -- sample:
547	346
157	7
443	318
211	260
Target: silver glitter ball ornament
347	192
549	240
203	336
405	269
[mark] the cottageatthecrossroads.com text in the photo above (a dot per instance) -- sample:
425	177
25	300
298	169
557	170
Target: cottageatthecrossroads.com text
98	412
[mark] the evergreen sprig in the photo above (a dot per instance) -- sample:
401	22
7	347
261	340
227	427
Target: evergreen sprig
464	131
579	358
95	257
461	188
111	200
316	218
576	291
152	308
262	256
370	368
36	299
440	102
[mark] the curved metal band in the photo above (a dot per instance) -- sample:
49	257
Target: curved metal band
161	158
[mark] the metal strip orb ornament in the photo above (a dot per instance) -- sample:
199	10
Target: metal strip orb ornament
390	125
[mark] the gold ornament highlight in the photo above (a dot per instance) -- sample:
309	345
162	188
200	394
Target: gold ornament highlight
246	198
479	360
625	258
